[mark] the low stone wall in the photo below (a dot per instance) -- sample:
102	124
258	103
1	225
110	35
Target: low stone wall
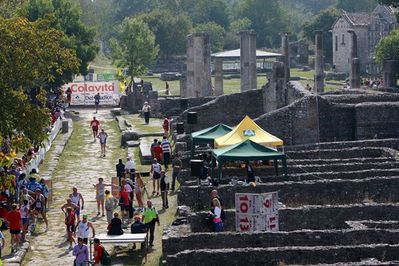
175	106
174	244
310	217
377	120
224	109
316	192
296	123
283	256
391	143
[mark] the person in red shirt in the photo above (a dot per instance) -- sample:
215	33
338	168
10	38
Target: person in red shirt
94	126
158	152
70	219
98	251
165	126
15	224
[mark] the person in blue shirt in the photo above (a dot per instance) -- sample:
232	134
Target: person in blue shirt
33	185
45	191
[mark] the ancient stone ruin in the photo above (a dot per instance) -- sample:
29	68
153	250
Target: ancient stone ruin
338	204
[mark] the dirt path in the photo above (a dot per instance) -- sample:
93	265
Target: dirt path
81	166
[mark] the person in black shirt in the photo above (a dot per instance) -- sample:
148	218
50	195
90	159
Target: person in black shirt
115	227
250	172
138	227
120	170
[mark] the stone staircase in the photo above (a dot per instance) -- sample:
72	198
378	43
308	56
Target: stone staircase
339	208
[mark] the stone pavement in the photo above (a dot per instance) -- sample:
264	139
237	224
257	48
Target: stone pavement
80	165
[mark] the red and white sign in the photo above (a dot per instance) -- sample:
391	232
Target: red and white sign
83	92
256	212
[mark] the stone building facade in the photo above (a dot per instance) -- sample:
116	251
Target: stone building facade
369	29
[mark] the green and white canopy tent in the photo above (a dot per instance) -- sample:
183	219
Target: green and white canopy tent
247	151
208	135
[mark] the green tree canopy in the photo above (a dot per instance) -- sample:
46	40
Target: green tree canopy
267	19
323	22
78	36
31	55
357	6
394	3
170	30
216	34
204	11
134	47
388	47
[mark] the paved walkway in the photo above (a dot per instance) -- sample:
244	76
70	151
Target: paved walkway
80	165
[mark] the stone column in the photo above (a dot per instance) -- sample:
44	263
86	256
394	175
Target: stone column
285	51
248	60
198	73
355	73
275	94
389	71
354	70
319	64
353	44
218	76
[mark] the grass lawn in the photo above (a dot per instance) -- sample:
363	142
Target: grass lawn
229	85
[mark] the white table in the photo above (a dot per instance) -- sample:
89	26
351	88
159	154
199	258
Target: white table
122	239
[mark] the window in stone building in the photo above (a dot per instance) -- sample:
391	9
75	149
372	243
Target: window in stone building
343	39
336	43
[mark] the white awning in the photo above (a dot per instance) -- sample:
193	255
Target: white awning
236	54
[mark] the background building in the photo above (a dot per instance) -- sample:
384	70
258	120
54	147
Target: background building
369	29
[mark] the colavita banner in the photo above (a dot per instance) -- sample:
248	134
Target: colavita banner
83	92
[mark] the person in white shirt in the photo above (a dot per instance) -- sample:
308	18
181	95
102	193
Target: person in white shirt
156	176
130	167
103	141
146	111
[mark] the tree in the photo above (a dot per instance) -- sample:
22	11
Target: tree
78	36
357	6
267	19
216	34
31	56
9	7
170	30
394	3
323	22
203	11
134	47
388	48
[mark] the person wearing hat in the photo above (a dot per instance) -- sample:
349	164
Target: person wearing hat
39	206
33	184
146	111
138	227
83	227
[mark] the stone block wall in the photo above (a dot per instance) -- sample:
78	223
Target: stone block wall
296	123
310	217
227	109
377	120
172	244
314	192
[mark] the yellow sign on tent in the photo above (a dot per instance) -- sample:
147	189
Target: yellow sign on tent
248	129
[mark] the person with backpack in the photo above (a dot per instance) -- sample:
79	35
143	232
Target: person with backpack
101	256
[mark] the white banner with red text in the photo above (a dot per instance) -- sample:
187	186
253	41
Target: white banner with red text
82	93
256	212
